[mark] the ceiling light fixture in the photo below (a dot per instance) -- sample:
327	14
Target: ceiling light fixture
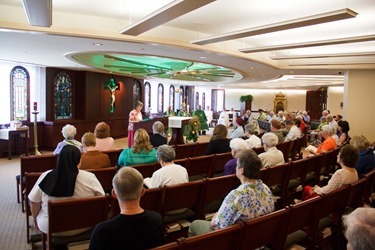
357	39
323	56
291	24
165	14
38	12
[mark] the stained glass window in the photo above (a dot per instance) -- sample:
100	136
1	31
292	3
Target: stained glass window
20	94
137	93
147	96
63	96
171	97
160	98
181	98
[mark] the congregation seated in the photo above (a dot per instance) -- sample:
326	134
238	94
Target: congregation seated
104	141
366	160
219	143
237	145
276	129
133	228
347	158
68	132
66	180
169	173
92	158
272	156
140	153
240	129
250	200
360	228
158	138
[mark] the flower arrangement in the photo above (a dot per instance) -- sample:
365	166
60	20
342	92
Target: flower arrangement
192	129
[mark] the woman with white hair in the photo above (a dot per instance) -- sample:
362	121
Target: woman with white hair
68	131
272	156
158	138
360	228
237	145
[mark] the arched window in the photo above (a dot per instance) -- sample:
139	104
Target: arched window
181	97
147	103
137	92
196	100
160	98
171	96
20	94
204	101
63	96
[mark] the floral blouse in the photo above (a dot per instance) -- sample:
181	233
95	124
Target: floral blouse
246	202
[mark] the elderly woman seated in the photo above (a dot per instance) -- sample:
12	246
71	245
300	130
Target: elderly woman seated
169	173
68	131
64	181
158	137
252	139
250	200
237	145
327	145
140	153
104	141
272	156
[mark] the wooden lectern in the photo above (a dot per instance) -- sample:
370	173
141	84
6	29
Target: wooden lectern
177	123
147	124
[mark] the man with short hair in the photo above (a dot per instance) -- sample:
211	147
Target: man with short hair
133	228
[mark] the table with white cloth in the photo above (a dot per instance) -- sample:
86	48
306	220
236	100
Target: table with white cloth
10	135
177	123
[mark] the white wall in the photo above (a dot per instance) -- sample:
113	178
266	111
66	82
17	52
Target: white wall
335	96
264	98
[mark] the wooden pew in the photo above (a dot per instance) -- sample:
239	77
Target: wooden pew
113	156
74	213
38	163
105	176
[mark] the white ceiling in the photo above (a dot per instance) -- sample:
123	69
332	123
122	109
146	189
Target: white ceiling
77	24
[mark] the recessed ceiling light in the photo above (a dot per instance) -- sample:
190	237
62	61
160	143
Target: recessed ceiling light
203	57
97	44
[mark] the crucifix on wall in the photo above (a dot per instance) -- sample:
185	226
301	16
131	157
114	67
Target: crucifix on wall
112	86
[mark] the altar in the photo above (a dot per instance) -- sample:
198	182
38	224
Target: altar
177	123
9	135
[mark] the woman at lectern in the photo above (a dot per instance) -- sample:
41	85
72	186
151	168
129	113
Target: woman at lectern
134	116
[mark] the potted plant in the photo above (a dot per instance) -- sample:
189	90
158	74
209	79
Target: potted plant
246	98
246	102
